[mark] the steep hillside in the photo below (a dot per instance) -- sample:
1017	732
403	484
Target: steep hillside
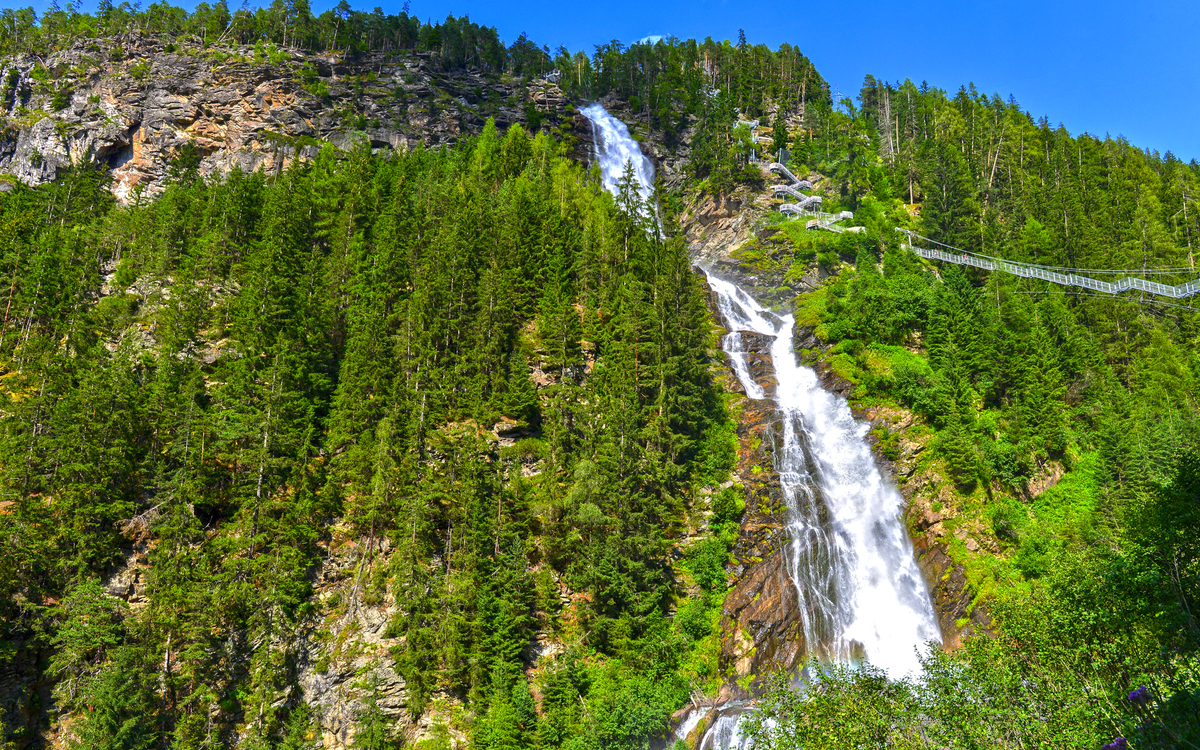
340	405
136	104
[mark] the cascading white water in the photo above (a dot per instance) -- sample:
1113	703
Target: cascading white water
849	555
726	732
613	148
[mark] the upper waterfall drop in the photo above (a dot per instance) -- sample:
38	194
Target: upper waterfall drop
613	148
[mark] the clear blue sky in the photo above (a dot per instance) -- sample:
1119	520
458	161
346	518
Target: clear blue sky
1123	68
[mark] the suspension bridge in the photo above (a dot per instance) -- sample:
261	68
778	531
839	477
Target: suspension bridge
1061	276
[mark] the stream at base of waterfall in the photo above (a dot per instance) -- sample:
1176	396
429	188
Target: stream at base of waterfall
848	553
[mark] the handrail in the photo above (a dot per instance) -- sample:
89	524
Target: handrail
795	193
1032	271
797	208
823	220
797	183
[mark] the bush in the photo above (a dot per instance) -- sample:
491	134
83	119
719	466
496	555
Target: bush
727	506
1007	521
62	98
829	261
692	619
706	560
1008	463
718	452
916	387
1033	557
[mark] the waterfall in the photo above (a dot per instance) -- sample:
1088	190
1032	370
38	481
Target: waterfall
848	555
726	732
613	148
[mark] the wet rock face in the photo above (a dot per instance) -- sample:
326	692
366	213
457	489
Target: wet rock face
755	350
950	591
134	107
762	623
762	619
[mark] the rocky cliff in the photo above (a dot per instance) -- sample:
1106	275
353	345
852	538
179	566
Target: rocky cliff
761	623
136	104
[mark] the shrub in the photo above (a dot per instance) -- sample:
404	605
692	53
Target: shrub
706	559
727	506
62	98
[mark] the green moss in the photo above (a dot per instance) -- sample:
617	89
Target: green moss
809	309
844	366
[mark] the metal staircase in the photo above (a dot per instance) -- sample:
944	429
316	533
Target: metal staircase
789	190
786	173
806	204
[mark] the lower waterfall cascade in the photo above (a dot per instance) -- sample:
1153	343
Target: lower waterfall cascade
848	554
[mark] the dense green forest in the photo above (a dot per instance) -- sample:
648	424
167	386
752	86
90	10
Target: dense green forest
457	42
1093	582
363	355
371	319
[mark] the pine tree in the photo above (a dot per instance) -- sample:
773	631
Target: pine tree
558	324
779	133
371	731
121	708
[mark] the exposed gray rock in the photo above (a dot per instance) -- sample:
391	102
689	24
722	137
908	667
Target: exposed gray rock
136	113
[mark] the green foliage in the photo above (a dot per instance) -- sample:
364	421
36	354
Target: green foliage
270	30
728	505
121	708
358	334
91	626
718	452
61	99
706	560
